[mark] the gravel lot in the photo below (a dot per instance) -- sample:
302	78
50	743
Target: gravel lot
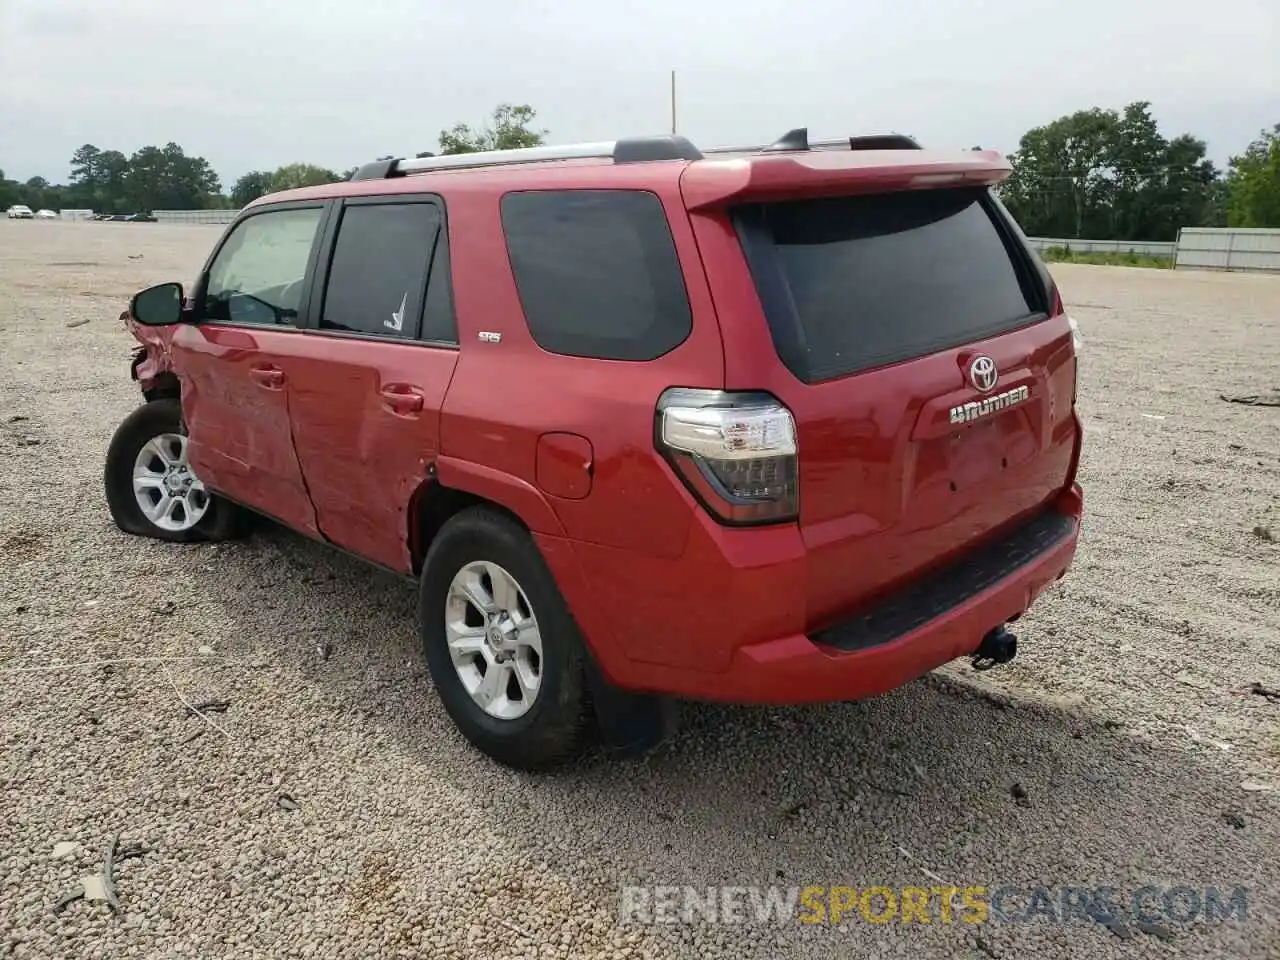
1126	720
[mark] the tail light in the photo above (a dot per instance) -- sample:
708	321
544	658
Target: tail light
735	451
1057	307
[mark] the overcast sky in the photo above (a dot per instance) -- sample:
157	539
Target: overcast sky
252	84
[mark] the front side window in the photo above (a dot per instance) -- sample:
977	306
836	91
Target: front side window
377	277
259	274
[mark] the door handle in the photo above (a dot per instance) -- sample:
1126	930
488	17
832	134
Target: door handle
400	398
269	377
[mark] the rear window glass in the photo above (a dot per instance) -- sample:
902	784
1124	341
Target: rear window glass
851	283
597	272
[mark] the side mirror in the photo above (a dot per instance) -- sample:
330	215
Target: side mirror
158	306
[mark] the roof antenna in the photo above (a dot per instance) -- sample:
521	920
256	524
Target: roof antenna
797	139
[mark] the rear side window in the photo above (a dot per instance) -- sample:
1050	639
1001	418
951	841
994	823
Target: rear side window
378	273
597	272
851	283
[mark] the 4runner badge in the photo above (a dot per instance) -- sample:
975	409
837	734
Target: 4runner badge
976	410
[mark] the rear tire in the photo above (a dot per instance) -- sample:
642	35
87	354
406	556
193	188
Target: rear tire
146	464
486	601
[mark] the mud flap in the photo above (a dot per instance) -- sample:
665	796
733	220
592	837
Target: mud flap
630	723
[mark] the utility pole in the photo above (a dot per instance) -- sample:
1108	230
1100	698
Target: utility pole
673	103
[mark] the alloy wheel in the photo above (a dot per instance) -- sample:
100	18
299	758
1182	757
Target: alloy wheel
169	494
493	640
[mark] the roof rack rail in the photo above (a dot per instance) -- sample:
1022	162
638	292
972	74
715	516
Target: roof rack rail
628	150
798	139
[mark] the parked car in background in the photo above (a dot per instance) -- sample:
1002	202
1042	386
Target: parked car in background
20	211
46	215
780	424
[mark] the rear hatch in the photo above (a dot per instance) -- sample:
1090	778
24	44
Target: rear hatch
891	303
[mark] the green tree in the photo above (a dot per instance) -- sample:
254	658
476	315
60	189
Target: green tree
98	180
1253	183
296	175
165	178
113	173
1060	174
86	170
509	129
37	193
250	187
1185	194
1103	174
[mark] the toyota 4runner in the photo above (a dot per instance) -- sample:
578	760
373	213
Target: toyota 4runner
776	424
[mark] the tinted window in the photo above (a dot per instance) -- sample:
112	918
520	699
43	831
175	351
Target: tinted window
378	273
438	323
850	283
597	272
257	275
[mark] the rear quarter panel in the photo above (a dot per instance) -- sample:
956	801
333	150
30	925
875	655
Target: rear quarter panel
506	395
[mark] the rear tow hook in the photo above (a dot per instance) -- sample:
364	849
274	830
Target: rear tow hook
998	646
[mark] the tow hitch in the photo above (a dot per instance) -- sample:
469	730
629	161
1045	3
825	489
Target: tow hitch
998	646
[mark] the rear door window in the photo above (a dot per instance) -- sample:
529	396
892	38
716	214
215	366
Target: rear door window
378	273
597	272
439	324
852	283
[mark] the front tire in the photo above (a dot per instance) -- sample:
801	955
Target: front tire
150	486
503	649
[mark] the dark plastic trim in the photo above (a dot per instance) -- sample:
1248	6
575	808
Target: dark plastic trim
378	170
797	139
941	591
648	149
883	141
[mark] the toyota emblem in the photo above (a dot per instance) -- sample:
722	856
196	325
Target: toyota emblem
983	374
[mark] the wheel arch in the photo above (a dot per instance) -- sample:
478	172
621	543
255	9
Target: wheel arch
456	485
163	385
629	719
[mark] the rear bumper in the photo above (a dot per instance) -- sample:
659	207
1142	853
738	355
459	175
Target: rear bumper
876	654
799	670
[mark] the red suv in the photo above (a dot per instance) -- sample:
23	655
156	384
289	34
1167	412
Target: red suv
775	424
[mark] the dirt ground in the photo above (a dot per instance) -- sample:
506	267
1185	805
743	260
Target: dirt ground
1123	747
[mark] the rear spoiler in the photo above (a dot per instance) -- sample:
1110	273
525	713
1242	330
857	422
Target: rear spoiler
821	173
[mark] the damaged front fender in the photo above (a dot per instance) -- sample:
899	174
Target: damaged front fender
151	365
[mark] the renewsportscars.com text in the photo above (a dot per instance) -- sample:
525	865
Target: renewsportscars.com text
975	904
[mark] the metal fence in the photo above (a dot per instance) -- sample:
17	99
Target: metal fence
1142	248
194	216
1236	248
